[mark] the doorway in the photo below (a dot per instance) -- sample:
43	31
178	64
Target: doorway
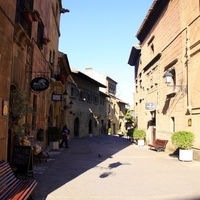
90	127
76	127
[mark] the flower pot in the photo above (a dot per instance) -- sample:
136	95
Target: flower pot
35	16
45	41
28	17
54	145
140	143
185	155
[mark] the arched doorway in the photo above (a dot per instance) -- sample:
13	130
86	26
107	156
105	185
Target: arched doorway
76	127
90	127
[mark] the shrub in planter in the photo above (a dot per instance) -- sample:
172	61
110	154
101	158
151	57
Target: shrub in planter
109	131
55	134
183	139
139	134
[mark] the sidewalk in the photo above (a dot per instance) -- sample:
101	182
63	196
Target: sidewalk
110	168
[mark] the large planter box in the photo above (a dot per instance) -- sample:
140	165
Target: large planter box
54	145
185	155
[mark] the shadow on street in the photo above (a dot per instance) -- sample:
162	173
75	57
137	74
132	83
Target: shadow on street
65	165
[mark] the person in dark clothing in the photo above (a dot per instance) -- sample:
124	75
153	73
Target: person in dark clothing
65	137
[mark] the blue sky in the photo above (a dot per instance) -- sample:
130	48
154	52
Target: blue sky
100	34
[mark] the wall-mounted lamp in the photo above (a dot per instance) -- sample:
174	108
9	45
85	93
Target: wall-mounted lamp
65	94
168	78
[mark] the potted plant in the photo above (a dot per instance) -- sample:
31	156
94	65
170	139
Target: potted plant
28	17
184	141
139	135
55	134
45	41
109	131
20	109
35	16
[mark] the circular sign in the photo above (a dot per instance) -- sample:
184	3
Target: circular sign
39	84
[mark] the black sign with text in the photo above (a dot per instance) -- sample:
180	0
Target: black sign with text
22	159
39	84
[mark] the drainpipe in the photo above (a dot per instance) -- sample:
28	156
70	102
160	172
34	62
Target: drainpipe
189	106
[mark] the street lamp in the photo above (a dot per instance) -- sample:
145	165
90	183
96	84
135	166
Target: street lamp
65	94
168	78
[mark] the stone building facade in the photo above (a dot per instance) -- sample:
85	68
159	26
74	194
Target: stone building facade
169	42
29	36
85	105
115	107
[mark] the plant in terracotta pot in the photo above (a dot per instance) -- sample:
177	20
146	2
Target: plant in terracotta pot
45	41
139	135
28	17
35	16
184	141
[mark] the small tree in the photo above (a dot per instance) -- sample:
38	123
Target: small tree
18	109
129	117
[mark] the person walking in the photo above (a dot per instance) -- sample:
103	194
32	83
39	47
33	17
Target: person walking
65	137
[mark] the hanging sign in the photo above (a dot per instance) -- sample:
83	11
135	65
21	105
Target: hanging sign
39	84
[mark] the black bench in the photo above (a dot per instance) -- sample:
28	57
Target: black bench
158	145
44	154
120	134
12	187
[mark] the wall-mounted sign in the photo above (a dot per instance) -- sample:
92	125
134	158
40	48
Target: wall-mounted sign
56	97
5	108
189	122
39	84
150	106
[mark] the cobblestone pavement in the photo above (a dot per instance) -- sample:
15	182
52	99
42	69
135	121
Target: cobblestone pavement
111	168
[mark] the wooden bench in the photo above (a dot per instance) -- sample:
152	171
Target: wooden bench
12	187
158	145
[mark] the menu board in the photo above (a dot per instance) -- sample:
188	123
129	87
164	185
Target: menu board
22	159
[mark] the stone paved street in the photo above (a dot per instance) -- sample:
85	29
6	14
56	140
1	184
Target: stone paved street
111	168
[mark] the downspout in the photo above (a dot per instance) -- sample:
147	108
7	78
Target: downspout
189	106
